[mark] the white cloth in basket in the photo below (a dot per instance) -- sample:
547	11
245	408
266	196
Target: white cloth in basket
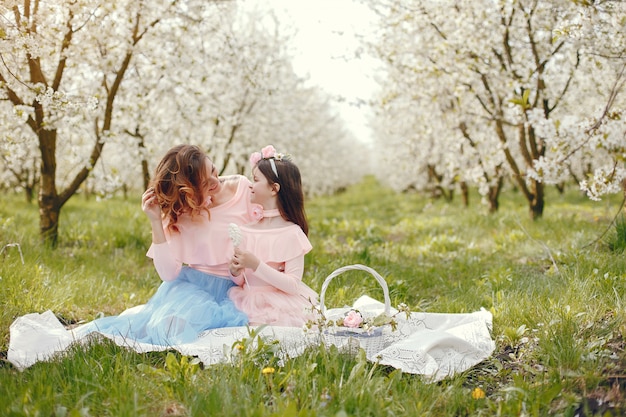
434	345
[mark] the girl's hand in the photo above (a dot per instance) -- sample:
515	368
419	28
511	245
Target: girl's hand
150	206
244	259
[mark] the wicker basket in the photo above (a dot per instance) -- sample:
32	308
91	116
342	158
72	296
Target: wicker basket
372	340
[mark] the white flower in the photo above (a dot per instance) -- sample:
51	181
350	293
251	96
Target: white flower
235	234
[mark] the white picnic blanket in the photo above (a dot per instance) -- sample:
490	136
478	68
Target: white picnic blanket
434	345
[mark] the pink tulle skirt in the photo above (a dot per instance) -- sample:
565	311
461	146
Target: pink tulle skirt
269	305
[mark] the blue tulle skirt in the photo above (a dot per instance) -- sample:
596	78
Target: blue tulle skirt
177	313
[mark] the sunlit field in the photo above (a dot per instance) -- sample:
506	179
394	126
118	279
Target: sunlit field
555	287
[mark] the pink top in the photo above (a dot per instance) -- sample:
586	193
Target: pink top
203	243
281	251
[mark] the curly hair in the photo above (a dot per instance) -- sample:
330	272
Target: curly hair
179	182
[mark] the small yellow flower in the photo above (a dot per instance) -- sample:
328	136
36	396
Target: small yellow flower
239	346
478	393
268	370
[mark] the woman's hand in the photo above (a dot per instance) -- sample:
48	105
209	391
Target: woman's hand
235	271
243	259
150	206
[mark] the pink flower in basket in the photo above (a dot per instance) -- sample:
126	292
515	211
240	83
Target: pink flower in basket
353	319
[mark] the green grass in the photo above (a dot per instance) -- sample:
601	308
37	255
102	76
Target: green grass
555	287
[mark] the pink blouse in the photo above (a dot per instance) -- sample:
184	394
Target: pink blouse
203	243
281	251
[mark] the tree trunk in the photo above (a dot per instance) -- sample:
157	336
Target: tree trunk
145	174
49	210
49	220
465	193
49	206
537	202
494	204
29	193
144	164
560	187
624	193
141	144
494	196
450	196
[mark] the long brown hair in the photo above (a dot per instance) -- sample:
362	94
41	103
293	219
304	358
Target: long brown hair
179	182
290	195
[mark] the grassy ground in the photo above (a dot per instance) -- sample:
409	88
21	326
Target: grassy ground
557	297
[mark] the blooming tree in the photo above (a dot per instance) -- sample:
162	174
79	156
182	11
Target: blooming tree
63	64
281	110
18	157
470	87
139	77
588	141
230	88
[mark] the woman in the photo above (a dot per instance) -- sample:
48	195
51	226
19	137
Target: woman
190	208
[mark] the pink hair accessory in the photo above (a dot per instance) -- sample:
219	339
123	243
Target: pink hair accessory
268	152
255	158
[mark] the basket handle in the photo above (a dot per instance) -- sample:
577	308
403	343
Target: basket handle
343	269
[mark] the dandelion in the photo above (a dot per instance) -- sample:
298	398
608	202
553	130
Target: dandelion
268	371
478	393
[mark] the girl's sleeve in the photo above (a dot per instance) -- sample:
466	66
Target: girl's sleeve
288	281
164	261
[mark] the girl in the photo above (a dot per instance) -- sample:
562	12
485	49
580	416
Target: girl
269	263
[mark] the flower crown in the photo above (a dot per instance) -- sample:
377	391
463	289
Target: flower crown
270	154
